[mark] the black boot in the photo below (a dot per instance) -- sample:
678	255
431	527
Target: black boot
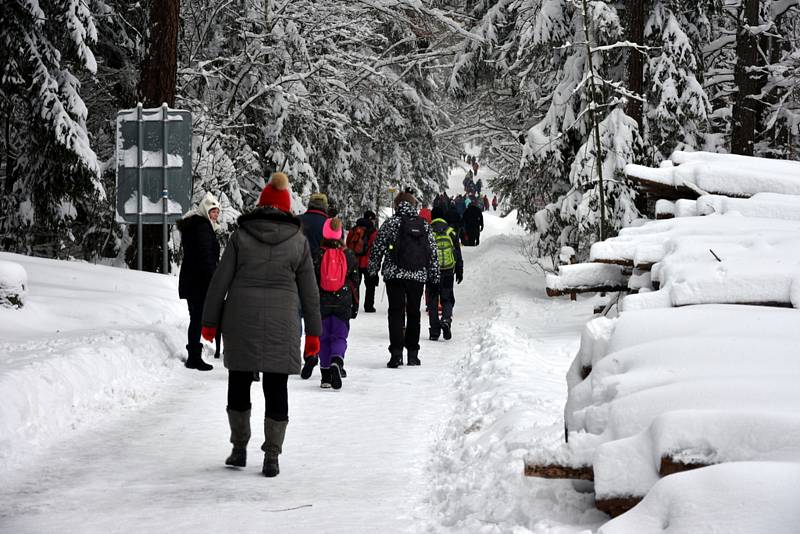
325	383
308	367
434	334
336	372
395	361
446	333
195	358
413	358
239	422
274	433
238	458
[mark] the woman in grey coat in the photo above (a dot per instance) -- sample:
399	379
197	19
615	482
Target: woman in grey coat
266	276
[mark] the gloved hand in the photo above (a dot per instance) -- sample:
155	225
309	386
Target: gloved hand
312	346
459	277
354	312
209	333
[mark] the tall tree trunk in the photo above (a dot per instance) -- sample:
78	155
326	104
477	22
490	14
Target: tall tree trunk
635	17
745	109
8	185
156	86
160	68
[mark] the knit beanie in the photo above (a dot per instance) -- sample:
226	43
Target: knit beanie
276	193
404	197
319	201
369	215
332	229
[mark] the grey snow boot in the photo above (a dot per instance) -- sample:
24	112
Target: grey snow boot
240	436
274	432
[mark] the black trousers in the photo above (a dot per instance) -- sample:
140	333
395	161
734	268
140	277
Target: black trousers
442	293
276	397
405	297
371	282
196	324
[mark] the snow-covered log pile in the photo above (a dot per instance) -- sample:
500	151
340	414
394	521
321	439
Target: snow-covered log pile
13	284
691	174
694	260
583	277
660	391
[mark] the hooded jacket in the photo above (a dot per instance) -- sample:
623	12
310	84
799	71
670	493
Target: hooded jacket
200	249
266	274
387	236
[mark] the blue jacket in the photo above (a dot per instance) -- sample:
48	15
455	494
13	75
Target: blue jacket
312	223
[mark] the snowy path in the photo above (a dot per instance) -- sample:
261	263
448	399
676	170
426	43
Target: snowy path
436	448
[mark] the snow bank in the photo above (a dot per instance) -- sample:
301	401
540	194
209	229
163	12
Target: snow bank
724	174
13	285
735	498
91	341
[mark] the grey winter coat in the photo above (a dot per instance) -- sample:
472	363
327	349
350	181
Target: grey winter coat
265	273
387	236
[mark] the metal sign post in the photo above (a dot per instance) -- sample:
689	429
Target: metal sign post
139	166
154	170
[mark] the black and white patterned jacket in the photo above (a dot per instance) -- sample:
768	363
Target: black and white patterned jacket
387	236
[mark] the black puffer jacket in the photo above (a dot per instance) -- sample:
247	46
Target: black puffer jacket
340	303
200	256
387	236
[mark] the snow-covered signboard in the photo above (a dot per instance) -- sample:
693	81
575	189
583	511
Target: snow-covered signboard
154	147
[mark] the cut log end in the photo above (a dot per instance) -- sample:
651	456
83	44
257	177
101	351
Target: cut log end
616	506
559	471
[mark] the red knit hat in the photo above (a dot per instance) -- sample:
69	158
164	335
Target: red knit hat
276	193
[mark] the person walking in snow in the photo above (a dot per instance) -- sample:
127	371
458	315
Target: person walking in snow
494	203
336	267
265	275
473	224
451	268
361	239
485	203
313	219
407	249
200	257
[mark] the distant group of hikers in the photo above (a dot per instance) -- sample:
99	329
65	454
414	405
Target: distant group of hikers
279	270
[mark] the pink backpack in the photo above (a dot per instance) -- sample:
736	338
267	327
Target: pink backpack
333	270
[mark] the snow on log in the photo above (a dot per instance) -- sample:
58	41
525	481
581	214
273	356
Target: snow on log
678	389
694	173
766	205
586	277
735	498
13	285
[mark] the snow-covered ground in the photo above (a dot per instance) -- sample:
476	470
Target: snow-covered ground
103	430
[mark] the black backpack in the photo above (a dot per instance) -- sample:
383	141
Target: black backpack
412	251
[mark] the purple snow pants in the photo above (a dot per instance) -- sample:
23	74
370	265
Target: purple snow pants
333	341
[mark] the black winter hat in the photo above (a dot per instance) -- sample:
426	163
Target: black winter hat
369	214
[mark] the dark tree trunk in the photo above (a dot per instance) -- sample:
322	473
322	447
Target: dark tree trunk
636	11
745	109
160	68
8	186
156	86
